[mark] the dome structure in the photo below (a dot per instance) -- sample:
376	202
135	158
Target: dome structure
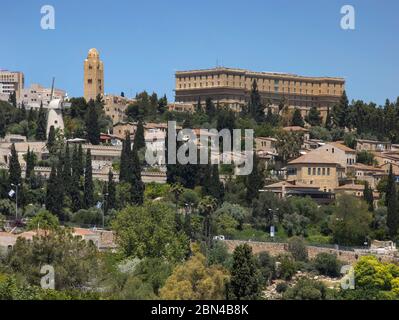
93	53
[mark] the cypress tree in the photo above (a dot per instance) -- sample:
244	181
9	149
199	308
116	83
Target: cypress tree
51	141
67	170
368	196
14	167
54	193
88	197
111	199
329	120
245	281
30	164
210	108
255	107
41	128
391	201
136	182
125	173
92	126
254	181
74	192
198	107
297	119
139	141
216	186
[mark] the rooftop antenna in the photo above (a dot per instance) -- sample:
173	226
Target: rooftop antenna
52	89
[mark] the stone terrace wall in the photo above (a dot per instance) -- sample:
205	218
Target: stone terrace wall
276	248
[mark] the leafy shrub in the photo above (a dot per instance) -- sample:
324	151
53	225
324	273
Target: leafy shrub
281	287
327	264
306	289
287	267
297	247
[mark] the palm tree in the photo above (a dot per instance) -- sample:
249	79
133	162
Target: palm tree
177	189
206	207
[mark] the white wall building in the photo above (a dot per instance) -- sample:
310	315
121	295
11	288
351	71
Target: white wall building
35	94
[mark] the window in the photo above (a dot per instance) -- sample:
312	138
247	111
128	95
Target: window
328	171
332	150
314	171
309	171
324	171
318	171
89	81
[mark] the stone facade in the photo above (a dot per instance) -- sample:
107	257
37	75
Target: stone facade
232	87
93	75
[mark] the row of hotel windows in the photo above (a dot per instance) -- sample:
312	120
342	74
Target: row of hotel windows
262	82
318	171
276	89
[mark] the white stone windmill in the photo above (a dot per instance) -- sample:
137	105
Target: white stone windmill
54	116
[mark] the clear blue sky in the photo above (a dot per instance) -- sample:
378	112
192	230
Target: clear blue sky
142	43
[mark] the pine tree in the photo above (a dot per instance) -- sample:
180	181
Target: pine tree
254	181
111	198
14	167
245	280
162	105
340	112
391	201
139	141
51	141
88	197
41	128
314	118
92	126
368	196
297	119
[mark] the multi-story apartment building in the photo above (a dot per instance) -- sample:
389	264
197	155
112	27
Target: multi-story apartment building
35	95
93	75
11	81
232	87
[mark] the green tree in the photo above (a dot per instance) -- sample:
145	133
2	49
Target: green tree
194	280
111	198
368	196
136	182
12	99
139	141
350	221
297	119
149	231
14	170
207	207
307	289
125	171
254	181
298	249
54	193
92	125
52	141
44	220
41	128
391	201
327	264
30	164
210	108
245	276
314	118
255	107
88	197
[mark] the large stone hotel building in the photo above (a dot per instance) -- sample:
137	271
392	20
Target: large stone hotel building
232	87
